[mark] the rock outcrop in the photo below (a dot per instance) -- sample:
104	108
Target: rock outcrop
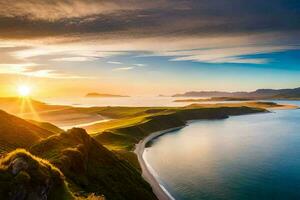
26	177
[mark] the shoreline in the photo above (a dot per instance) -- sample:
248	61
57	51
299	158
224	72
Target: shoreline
160	192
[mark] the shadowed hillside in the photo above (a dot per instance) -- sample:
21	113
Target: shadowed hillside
48	126
91	168
18	133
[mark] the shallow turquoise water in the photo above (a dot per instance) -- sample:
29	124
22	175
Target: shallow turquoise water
252	157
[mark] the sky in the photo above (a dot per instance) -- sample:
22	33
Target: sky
140	47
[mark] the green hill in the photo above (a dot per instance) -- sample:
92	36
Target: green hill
124	133
18	133
91	168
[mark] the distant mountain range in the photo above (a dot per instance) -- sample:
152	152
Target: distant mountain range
258	94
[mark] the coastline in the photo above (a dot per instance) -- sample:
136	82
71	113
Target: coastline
160	192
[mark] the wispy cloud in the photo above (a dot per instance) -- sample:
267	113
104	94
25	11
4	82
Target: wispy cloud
139	65
87	10
219	49
55	10
75	59
123	69
29	69
114	62
228	55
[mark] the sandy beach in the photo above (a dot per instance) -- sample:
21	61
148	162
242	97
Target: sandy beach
158	190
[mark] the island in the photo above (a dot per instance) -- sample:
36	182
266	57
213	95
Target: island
101	95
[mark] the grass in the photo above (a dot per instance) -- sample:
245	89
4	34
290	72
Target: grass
24	176
91	197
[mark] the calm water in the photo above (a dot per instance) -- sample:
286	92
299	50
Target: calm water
123	101
138	101
253	157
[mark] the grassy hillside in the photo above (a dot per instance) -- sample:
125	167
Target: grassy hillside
91	168
24	176
18	133
124	133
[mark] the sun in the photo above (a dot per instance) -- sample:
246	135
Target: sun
24	90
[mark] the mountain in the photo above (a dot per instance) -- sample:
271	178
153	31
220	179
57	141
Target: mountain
99	95
18	133
90	167
258	94
289	94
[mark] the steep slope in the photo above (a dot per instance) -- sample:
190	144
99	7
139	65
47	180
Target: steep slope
26	177
18	133
90	167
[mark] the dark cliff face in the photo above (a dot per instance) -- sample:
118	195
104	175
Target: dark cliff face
91	168
26	177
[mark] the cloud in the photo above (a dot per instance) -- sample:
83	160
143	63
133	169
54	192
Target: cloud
61	9
57	9
228	55
124	18
210	31
139	65
29	69
114	62
75	59
218	49
123	69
